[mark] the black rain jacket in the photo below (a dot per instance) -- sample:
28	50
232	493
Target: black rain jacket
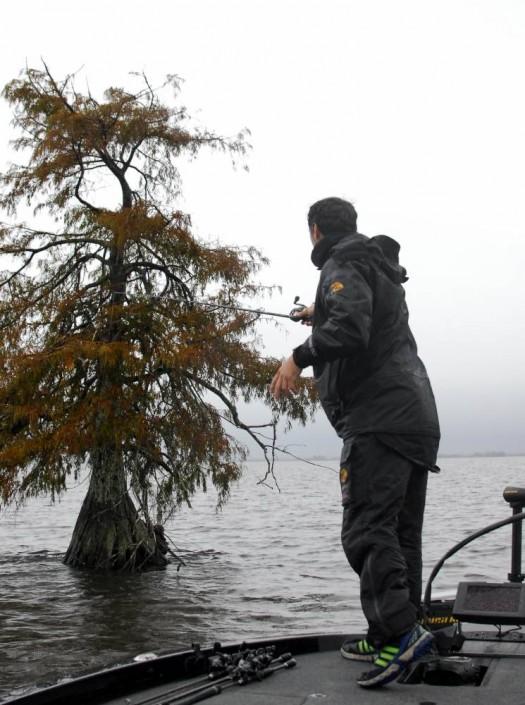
366	367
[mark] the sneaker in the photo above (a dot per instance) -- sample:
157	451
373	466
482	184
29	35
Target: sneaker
394	658
358	650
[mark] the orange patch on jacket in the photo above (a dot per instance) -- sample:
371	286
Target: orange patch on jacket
336	286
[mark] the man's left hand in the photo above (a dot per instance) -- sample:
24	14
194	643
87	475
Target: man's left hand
285	379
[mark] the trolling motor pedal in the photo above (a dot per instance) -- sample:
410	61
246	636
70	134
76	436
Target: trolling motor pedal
445	671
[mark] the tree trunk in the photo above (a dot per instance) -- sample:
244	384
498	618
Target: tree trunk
109	533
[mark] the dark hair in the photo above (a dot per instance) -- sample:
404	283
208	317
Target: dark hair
333	216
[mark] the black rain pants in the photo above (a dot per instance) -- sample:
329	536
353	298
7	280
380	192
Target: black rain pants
383	496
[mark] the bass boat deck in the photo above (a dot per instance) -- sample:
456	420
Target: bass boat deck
489	667
484	666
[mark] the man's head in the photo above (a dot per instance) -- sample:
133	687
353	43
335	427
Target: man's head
331	217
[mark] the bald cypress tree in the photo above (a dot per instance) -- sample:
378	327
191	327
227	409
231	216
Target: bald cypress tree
107	356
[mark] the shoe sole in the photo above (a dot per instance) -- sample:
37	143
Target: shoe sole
416	650
369	658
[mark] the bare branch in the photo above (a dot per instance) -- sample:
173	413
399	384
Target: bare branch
270	460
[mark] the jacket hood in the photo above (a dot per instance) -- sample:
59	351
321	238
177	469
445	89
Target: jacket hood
381	250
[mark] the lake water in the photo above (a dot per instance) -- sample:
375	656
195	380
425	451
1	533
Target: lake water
269	564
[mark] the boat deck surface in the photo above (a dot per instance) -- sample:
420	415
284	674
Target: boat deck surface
325	677
320	676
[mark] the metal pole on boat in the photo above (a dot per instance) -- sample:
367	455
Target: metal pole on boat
515	496
472	537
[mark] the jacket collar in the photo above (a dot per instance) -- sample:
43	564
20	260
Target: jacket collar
381	249
323	248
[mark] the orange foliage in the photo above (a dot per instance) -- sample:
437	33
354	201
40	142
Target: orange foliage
105	344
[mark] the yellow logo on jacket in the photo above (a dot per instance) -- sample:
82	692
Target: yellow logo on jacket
336	287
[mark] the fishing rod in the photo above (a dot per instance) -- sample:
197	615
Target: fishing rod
247	671
224	669
292	316
298	307
243	680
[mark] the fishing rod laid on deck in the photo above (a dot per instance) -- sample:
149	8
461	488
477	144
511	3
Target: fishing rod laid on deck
225	670
243	679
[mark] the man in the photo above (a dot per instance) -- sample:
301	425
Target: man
377	395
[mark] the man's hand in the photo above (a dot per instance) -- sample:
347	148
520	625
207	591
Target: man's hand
305	315
285	379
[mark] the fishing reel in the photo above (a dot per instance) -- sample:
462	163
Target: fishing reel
298	307
245	665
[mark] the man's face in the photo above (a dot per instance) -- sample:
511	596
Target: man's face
315	234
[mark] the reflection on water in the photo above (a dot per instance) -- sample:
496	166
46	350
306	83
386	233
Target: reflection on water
268	564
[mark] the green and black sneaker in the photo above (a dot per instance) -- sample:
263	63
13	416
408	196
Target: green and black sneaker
358	650
393	659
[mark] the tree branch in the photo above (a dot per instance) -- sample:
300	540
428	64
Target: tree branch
270	460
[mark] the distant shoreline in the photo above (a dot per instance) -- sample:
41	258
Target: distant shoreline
487	454
335	458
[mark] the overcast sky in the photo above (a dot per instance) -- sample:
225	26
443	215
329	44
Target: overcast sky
414	110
